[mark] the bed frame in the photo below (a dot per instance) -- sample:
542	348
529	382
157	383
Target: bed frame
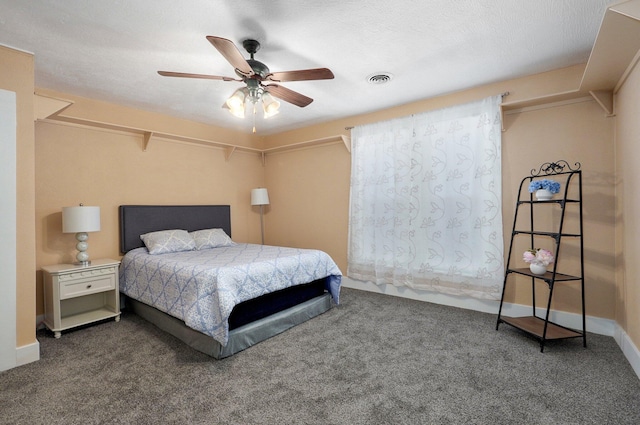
250	322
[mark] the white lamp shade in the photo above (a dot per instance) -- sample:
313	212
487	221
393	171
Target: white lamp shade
80	219
259	196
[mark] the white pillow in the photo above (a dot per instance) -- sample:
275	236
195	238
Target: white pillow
211	238
166	241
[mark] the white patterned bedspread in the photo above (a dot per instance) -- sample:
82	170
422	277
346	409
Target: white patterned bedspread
202	287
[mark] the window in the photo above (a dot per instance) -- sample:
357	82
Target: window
425	207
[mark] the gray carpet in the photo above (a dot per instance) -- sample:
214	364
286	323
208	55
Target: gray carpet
375	359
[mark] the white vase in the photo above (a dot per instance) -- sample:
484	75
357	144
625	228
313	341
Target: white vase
543	195
538	269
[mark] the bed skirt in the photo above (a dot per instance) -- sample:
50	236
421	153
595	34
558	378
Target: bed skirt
240	338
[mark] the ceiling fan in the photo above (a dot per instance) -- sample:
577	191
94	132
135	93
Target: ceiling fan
254	74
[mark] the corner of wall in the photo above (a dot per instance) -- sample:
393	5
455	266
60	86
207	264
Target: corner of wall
628	348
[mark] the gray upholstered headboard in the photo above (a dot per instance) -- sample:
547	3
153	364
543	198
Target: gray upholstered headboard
136	220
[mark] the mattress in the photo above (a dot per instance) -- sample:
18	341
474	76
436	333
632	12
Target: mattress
202	287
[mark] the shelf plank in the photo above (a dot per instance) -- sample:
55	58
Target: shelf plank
615	47
87	317
550	234
548	201
535	326
560	277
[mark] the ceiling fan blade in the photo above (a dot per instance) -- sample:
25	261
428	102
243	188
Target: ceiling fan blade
300	75
288	95
231	54
203	76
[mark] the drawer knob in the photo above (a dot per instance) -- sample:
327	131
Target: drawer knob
88	286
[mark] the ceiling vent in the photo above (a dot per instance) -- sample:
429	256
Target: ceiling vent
379	78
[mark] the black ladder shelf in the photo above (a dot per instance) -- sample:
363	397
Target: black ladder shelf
570	179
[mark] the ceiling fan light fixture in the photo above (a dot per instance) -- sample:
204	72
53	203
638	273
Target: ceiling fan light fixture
237	99
236	103
270	106
238	113
254	74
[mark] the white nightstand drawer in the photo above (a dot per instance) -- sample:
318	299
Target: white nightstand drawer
89	285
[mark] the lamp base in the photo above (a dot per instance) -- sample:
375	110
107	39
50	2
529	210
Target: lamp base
82	246
261	224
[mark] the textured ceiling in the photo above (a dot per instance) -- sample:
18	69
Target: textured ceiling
112	50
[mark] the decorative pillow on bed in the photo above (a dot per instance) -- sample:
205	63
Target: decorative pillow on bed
211	238
166	241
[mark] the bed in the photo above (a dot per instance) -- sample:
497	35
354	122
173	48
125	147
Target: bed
217	296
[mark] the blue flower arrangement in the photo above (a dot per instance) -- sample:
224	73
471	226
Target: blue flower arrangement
551	185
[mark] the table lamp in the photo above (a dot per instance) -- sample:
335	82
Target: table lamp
81	220
260	196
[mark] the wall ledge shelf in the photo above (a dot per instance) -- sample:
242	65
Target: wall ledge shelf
315	142
546	101
51	107
46	106
615	49
615	52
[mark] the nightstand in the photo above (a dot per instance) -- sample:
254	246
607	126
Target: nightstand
79	295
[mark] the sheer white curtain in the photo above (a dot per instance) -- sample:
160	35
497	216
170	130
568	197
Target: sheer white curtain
425	208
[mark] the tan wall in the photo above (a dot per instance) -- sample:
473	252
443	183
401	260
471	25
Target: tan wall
581	133
107	168
627	206
16	74
310	187
309	196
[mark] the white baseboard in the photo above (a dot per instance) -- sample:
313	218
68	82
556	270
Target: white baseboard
485	306
597	325
23	355
628	348
28	353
